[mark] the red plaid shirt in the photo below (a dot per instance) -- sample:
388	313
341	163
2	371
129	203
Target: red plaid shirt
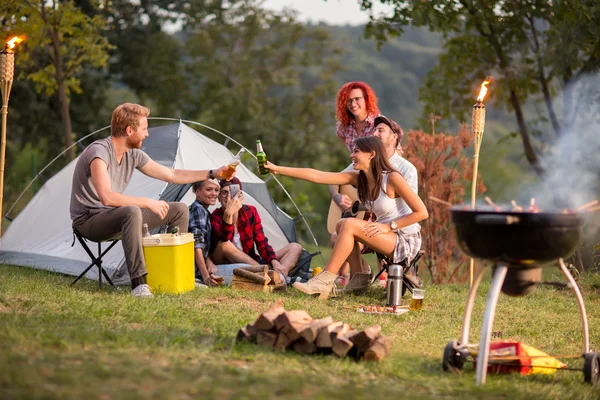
349	134
251	231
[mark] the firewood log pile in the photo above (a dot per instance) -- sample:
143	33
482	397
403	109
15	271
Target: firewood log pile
296	330
257	278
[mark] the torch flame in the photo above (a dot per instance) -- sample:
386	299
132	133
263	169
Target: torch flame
483	90
14	41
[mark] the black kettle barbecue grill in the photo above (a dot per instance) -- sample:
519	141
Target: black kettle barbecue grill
517	243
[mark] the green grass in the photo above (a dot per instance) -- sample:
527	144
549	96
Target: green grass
58	341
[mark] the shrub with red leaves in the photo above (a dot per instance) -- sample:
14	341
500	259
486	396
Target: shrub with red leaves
444	172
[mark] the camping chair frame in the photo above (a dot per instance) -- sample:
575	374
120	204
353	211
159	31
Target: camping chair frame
96	261
385	263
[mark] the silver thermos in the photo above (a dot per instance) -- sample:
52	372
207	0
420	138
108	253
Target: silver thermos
394	285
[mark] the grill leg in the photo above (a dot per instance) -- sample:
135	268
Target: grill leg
464	337
584	321
488	322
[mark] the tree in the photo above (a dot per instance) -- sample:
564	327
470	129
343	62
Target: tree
258	74
61	41
444	171
533	48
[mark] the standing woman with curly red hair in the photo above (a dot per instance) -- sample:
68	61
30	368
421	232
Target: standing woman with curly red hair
356	109
355	112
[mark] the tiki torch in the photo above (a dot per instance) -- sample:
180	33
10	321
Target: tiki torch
7	70
477	126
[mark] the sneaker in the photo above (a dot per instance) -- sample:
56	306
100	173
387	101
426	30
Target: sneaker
142	290
342	280
382	281
359	283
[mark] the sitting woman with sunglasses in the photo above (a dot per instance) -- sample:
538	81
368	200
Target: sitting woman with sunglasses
395	233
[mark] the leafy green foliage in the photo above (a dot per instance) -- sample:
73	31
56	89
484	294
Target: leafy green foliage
532	49
60	41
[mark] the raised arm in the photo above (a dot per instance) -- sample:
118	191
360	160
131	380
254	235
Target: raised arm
316	176
178	176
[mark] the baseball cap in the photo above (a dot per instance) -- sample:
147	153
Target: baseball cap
382	119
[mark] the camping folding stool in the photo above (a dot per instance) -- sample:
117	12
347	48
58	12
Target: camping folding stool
385	263
96	261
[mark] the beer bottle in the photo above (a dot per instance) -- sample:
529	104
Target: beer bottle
145	231
235	161
261	157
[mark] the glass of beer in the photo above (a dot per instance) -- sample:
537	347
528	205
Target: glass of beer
417	299
231	167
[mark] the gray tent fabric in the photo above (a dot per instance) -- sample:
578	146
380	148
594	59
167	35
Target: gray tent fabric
41	235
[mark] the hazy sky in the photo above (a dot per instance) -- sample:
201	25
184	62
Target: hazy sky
334	12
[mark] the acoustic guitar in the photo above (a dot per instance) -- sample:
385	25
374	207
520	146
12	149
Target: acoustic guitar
336	212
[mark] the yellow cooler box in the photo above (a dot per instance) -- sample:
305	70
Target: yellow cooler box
170	262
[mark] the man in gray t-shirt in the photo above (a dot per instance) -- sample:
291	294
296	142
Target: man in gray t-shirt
390	134
101	211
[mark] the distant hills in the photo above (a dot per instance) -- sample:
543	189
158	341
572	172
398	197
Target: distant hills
395	72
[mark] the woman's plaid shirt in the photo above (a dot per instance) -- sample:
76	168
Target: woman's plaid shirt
251	231
349	134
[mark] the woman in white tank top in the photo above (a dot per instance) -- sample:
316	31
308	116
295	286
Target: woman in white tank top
381	188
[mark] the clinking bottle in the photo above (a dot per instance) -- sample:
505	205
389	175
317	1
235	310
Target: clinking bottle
261	157
232	166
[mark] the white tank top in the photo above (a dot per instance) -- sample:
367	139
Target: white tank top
388	209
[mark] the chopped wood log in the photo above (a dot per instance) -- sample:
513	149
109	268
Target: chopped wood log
248	333
293	330
304	347
266	320
251	276
311	331
363	339
379	349
275	278
266	339
343	344
244	284
339	331
283	341
324	334
260	269
293	316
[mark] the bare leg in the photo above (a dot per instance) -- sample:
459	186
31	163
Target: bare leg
288	256
227	253
355	262
345	270
351	230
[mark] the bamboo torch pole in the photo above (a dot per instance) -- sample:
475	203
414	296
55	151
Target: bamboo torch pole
477	127
7	69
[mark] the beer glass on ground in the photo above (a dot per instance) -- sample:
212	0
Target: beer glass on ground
417	299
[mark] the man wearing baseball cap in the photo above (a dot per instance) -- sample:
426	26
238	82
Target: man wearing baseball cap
237	228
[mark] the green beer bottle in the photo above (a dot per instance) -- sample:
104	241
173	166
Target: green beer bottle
261	158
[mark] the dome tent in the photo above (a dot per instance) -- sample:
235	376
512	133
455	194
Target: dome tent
41	235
